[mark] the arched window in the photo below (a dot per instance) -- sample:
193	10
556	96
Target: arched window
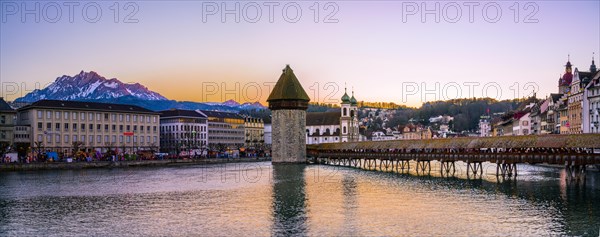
327	131
344	129
318	132
345	112
351	113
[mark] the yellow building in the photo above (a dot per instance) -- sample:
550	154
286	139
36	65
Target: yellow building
63	125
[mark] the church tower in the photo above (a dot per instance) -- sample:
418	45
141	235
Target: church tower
345	119
564	83
354	118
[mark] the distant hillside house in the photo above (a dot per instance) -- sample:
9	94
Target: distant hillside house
336	126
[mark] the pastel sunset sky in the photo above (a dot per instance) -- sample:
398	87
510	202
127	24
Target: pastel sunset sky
178	49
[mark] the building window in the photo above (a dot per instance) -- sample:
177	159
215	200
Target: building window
67	116
75	115
57	115
91	116
128	118
113	117
74	138
39	114
66	138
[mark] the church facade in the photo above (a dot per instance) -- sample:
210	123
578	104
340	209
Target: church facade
335	126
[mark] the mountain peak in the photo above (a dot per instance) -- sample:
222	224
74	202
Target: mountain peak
231	103
90	86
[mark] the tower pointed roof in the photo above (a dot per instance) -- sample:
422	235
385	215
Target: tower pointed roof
288	87
288	92
593	66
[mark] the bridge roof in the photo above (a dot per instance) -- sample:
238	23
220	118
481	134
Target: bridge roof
532	141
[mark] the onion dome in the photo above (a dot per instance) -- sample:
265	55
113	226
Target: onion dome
345	98
353	100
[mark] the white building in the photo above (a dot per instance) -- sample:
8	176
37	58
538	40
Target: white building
268	134
485	128
336	126
183	132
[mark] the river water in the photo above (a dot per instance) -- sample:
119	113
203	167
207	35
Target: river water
259	199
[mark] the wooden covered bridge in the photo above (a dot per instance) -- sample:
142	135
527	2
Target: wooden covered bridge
575	152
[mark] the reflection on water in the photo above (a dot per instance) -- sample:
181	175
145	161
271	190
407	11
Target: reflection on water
289	207
259	199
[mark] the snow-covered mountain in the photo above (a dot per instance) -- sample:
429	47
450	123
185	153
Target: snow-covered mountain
90	86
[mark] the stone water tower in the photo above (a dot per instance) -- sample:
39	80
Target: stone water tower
288	102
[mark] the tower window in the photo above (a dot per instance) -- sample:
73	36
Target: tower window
345	112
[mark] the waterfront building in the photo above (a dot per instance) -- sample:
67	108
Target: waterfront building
550	119
255	133
225	131
65	126
334	126
563	112
591	102
575	100
183	132
591	106
268	134
7	126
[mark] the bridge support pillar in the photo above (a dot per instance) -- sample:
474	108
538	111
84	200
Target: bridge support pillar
447	167
475	168
575	172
